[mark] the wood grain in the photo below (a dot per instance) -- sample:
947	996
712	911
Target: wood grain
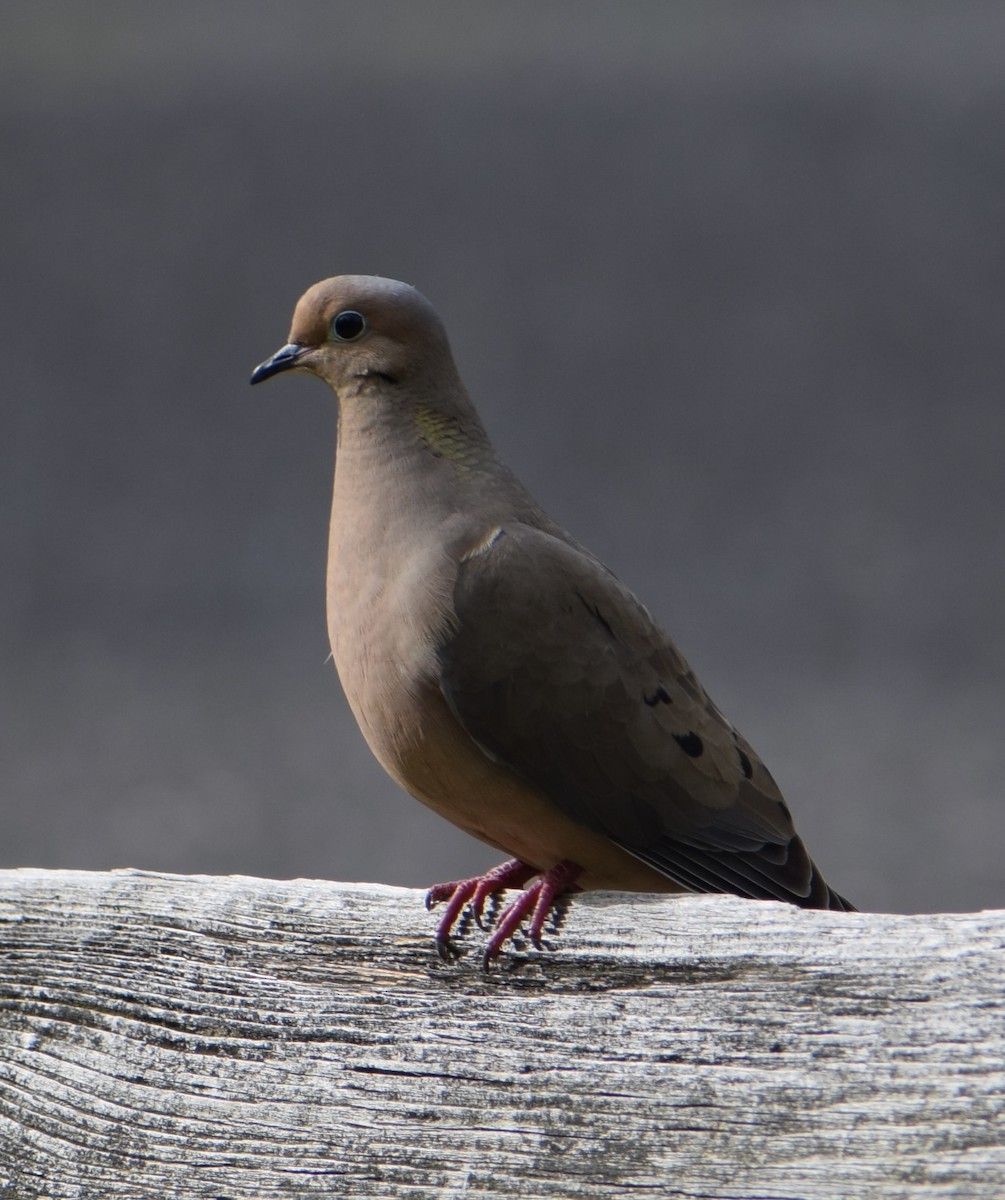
168	1036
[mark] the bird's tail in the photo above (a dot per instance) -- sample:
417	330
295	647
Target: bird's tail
822	895
839	903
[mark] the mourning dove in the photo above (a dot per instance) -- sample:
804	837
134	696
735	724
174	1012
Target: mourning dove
498	670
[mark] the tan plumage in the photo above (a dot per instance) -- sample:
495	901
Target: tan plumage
501	673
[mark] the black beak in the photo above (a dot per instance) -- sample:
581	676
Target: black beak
282	360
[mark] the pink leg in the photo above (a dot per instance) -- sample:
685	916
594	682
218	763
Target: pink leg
537	901
512	873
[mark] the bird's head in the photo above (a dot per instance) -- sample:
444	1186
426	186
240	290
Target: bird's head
354	330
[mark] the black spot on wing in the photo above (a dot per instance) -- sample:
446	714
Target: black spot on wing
746	766
690	743
659	696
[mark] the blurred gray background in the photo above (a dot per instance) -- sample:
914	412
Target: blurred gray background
726	281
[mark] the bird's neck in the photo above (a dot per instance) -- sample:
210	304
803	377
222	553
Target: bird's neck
457	437
406	464
401	478
426	448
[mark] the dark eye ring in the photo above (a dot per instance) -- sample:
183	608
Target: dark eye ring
348	325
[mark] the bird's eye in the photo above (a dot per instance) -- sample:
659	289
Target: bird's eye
348	325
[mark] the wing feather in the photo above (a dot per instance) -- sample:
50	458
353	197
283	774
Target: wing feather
556	670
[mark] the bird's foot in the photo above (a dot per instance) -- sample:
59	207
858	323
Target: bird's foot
475	893
537	901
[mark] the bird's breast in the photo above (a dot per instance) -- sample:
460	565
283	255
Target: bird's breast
389	600
386	660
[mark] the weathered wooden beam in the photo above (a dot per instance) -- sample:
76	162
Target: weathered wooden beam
168	1036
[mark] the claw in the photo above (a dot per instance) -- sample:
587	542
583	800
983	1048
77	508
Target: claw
447	951
442	891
